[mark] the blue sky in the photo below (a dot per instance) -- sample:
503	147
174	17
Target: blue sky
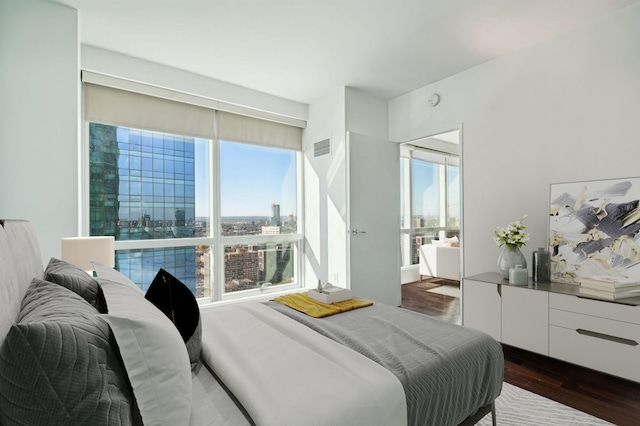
252	178
426	191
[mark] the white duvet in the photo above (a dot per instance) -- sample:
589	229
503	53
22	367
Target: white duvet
284	373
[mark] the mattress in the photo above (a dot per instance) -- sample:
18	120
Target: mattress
447	371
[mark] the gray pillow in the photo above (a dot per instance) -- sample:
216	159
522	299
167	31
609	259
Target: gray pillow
75	279
58	364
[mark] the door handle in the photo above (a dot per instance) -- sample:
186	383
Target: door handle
355	231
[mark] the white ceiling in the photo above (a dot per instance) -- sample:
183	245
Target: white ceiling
303	49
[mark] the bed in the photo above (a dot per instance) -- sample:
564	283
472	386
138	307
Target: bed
258	363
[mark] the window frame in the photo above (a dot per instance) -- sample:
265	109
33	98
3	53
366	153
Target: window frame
214	240
297	238
406	208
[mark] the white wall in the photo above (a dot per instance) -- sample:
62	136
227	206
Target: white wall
344	110
136	69
39	92
40	117
324	192
365	113
564	110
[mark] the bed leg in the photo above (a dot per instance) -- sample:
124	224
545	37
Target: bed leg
493	413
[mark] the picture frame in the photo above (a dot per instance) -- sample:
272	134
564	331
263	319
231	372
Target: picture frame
594	229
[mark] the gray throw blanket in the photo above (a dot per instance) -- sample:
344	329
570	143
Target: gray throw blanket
448	372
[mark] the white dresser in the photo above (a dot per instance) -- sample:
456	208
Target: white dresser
553	319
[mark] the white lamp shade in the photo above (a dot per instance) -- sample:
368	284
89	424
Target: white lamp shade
81	251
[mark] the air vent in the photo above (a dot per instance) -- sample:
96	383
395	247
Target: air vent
322	148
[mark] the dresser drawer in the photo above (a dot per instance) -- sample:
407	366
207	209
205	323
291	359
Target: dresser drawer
587	323
597	308
599	343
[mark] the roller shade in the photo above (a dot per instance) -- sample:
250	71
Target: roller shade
239	128
107	105
424	154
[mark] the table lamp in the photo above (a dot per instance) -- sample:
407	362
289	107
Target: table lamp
81	251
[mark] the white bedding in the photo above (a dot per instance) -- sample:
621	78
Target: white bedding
211	405
283	373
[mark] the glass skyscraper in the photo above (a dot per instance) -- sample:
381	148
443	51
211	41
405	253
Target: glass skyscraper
142	187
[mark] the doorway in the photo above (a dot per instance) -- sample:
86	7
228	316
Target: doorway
430	235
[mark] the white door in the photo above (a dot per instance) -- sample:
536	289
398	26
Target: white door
373	194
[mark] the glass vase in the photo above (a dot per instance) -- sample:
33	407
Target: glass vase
509	257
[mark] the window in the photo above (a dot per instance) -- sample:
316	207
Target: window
258	202
430	199
220	215
144	186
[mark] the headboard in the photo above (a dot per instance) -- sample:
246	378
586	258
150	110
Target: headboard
20	262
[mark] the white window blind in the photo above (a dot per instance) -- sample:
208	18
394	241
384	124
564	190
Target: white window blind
109	104
116	107
239	128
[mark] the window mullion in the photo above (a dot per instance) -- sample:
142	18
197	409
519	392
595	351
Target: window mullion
217	274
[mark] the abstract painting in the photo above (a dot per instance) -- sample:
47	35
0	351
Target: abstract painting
594	229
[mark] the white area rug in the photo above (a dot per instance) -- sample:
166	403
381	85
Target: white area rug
518	407
447	290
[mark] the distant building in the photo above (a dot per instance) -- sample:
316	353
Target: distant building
145	221
417	241
270	230
246	267
239	284
241	264
275	264
203	268
275	215
179	217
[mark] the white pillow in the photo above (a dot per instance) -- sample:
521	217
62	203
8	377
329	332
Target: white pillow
152	350
108	273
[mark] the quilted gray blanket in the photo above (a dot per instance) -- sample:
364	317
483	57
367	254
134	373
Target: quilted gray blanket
448	372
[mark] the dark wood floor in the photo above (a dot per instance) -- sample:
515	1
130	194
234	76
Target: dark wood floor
610	398
415	297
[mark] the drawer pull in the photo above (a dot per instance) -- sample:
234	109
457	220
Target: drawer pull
607	337
615	302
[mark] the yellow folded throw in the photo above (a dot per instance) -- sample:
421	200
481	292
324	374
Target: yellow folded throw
303	303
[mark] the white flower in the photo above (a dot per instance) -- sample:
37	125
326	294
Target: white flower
512	235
